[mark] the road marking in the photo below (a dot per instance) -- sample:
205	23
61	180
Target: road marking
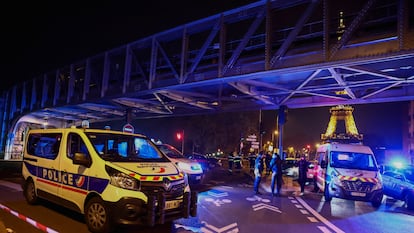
299	206
304	211
313	219
193	229
265	206
216	193
218	202
257	198
324	229
11	185
231	228
320	217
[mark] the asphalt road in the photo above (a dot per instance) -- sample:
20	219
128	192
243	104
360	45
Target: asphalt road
226	203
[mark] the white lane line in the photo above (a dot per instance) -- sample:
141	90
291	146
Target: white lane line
324	229
320	217
313	219
304	211
299	206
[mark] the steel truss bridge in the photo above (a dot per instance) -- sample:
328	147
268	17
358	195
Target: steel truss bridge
298	53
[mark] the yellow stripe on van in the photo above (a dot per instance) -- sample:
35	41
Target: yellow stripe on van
353	178
157	178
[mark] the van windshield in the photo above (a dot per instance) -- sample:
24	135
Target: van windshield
125	148
170	151
353	160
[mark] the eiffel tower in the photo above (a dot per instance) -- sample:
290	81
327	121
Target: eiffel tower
342	113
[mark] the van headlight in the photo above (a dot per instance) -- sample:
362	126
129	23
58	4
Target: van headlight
122	180
190	167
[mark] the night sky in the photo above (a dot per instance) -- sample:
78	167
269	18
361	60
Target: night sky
40	36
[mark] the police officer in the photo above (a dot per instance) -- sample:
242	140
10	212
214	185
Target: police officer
231	162
258	170
303	169
276	166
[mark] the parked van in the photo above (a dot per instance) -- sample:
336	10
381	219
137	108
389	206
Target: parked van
110	177
349	171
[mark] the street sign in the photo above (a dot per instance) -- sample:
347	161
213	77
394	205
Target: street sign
128	128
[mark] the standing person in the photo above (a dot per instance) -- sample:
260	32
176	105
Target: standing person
303	169
258	170
252	159
230	160
276	166
268	157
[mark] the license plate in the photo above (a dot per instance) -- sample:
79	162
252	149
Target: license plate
172	204
357	194
198	177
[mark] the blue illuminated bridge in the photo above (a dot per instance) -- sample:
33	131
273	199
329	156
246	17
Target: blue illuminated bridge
298	53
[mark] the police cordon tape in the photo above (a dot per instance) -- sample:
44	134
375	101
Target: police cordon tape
28	220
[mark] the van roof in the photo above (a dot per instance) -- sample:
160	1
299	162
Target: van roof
71	129
346	147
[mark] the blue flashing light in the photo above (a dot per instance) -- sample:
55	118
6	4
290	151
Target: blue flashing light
398	162
196	167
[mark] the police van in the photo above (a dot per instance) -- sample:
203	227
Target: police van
349	171
108	176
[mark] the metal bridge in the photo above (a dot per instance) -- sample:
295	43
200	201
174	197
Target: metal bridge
298	53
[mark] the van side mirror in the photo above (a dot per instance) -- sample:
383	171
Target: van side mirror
323	164
81	159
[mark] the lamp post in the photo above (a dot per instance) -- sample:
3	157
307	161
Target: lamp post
182	144
274	134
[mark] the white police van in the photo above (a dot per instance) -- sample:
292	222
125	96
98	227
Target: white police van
110	177
349	171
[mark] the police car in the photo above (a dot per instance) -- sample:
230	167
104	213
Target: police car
398	183
110	177
192	168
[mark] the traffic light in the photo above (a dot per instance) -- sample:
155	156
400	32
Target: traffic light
179	136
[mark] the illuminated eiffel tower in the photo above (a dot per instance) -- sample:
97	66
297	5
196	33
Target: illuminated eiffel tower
342	113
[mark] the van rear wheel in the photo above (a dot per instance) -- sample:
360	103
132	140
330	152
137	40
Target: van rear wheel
97	216
30	192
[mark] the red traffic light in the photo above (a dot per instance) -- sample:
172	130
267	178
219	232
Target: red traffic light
179	136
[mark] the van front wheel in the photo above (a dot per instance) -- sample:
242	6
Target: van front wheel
30	192
326	193
409	200
97	216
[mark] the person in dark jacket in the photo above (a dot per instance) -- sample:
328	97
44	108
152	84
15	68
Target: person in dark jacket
276	167
258	170
303	169
268	158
